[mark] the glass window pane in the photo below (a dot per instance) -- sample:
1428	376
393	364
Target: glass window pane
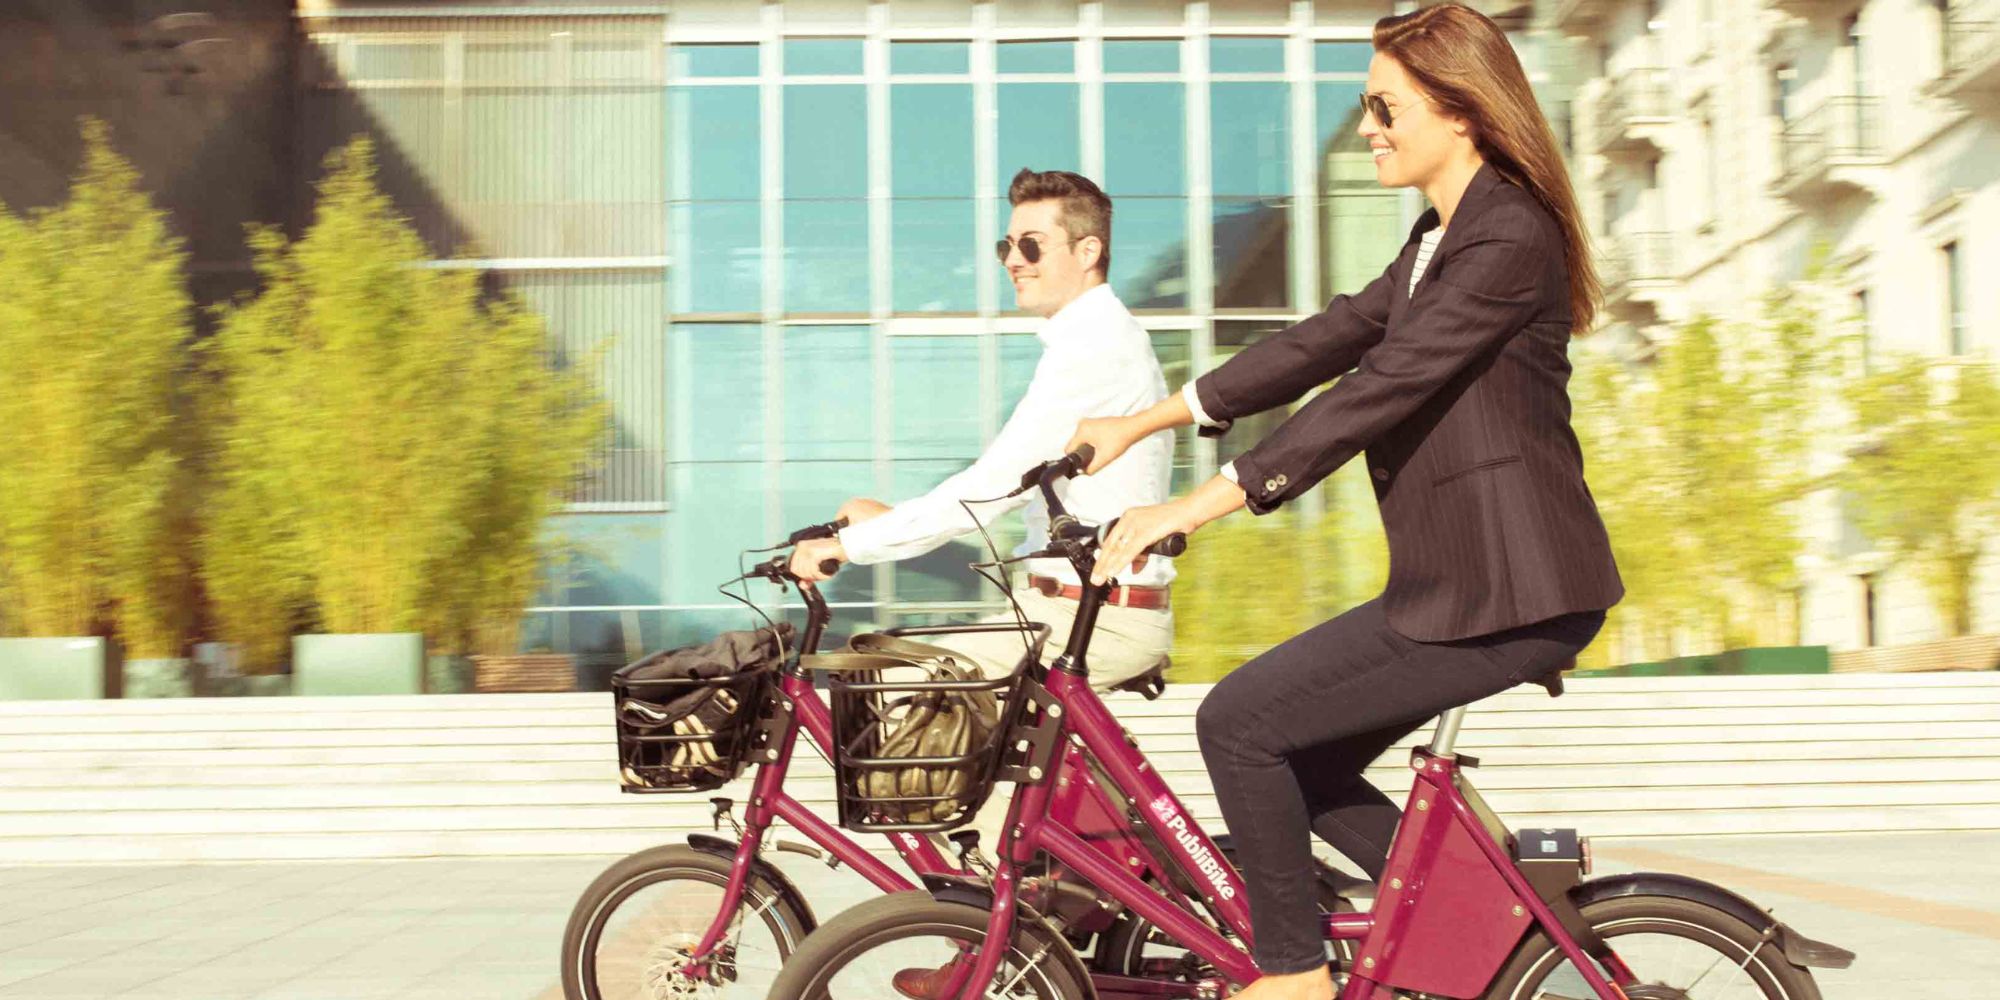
718	399
826	256
1019	353
822	56
718	512
1337	106
934	255
614	61
716	148
1251	152
811	492
1246	55
823	419
1342	57
1232	336
1149	252
941	575
826	141
718	266
1173	349
932	379
1144	149
714	60
614	559
929	57
1131	55
930	140
1252	262
1036	57
1361	222
1038	128
506	62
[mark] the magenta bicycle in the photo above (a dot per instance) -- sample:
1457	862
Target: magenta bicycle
714	918
1466	908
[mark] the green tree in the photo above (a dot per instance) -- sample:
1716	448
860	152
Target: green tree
1926	479
391	441
94	320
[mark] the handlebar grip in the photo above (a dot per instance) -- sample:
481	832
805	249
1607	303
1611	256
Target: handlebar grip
1170	546
827	530
829	566
1081	458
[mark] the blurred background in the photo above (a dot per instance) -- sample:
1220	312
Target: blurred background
345	341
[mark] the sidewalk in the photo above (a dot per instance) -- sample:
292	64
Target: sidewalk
1922	910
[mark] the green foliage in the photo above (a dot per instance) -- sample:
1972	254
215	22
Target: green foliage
390	443
1926	482
94	317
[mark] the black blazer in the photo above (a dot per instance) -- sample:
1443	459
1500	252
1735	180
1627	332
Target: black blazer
1459	396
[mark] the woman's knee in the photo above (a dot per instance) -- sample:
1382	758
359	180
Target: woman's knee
1224	717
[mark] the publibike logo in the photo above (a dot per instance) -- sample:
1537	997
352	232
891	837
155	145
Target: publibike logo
1191	845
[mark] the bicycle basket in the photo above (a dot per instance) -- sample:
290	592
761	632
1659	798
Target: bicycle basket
919	731
687	717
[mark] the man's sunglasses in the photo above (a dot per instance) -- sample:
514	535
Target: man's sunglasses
1031	248
1375	105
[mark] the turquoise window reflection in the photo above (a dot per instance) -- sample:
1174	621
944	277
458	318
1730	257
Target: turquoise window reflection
934	255
823	419
719	512
718	257
1127	55
1019	353
932	381
713	60
613	559
941	575
929	58
826	141
1248	126
715	145
1036	57
1252	253
810	492
1246	55
718	396
826	256
822	57
1342	57
1038	129
930	140
1144	144
1149	252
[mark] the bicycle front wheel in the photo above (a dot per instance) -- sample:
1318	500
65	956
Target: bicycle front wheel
909	945
632	933
1678	949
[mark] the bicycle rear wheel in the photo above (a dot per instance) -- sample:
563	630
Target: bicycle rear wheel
872	951
1679	949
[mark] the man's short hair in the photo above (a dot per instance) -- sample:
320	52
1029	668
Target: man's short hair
1085	209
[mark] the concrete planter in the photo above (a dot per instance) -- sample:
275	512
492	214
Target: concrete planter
165	677
61	668
525	672
383	663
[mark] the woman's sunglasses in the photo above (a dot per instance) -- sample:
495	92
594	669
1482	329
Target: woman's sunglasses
1031	248
1375	105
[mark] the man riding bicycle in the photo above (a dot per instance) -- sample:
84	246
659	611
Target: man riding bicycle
1097	361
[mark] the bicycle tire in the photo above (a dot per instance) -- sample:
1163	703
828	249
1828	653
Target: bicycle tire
885	918
1537	957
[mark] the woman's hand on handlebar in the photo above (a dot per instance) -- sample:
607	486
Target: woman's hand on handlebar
1136	529
1109	436
815	559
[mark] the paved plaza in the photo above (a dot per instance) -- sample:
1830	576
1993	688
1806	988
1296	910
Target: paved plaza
1923	911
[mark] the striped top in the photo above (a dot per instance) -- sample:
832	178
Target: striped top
1424	251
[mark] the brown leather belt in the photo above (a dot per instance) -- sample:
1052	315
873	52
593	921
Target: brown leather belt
1143	598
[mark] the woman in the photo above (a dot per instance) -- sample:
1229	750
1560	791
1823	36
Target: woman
1500	570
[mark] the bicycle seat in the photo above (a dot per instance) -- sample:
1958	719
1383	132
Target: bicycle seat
1151	682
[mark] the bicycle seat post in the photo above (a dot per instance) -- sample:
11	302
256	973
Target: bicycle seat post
1446	736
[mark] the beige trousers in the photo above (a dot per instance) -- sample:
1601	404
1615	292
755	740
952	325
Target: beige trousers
1127	643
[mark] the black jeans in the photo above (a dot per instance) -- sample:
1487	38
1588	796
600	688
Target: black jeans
1286	736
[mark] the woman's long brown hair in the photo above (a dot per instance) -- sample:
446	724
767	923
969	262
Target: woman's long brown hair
1469	71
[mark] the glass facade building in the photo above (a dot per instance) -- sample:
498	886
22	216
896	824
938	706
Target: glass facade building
769	228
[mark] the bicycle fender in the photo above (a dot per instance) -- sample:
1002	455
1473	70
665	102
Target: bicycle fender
1798	949
961	891
723	847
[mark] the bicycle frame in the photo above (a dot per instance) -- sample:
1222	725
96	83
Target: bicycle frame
1451	907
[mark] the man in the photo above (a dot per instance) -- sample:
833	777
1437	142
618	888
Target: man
1096	361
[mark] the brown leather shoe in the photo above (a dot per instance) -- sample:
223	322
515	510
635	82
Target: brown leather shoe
924	984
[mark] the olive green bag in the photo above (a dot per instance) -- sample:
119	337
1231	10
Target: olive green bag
918	724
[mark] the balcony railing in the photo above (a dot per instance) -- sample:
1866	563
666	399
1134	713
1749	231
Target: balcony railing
1630	258
1636	97
1841	132
1972	45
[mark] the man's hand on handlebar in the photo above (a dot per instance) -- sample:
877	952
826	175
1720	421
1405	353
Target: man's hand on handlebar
816	559
861	509
1138	529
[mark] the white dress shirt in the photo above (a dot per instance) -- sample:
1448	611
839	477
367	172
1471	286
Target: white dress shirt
1097	361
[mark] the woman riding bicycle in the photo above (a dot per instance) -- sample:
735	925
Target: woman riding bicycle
1452	371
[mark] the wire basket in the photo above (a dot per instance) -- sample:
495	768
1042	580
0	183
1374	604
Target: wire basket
687	734
920	740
